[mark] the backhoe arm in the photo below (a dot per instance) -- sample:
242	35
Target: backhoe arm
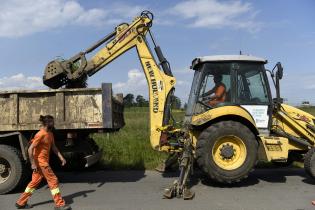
161	83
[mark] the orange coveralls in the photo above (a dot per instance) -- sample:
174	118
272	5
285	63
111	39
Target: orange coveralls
220	94
42	141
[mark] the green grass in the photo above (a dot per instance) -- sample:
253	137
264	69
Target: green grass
310	109
130	147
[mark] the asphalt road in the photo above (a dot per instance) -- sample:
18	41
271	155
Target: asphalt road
279	189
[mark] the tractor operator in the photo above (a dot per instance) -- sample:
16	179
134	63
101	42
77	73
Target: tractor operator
38	152
218	93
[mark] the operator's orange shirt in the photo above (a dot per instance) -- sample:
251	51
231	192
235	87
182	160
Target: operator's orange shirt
42	142
220	93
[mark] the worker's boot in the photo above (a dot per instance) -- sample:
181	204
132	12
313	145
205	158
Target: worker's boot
65	207
26	206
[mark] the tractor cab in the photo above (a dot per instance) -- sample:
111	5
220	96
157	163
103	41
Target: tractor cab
231	80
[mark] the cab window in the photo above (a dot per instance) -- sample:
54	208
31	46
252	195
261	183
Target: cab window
251	85
215	86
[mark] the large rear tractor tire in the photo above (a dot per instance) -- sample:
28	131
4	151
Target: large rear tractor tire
12	168
309	163
227	151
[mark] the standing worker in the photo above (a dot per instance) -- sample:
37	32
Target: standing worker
38	152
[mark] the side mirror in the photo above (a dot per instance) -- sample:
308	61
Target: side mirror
279	70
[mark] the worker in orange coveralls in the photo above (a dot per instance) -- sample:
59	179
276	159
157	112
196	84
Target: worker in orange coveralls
38	152
218	93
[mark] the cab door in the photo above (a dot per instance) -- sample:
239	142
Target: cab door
253	92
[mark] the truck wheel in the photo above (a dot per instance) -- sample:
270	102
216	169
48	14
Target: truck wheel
227	151
11	168
309	163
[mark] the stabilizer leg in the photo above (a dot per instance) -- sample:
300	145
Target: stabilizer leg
180	188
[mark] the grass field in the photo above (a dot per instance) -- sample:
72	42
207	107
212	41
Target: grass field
130	147
310	110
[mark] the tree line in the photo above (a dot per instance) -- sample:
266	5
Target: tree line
139	101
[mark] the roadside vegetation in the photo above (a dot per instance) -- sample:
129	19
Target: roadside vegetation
310	109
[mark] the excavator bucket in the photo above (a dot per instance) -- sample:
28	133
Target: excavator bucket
55	75
66	72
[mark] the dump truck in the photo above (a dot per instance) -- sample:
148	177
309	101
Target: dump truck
78	113
231	121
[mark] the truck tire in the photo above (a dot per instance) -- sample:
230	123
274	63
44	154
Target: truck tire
309	163
227	151
12	169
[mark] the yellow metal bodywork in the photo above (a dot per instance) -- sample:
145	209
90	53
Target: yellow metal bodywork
160	84
290	120
294	122
277	148
212	114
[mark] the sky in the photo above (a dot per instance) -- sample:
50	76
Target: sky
34	32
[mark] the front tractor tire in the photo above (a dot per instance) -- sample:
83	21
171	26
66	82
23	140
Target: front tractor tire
227	151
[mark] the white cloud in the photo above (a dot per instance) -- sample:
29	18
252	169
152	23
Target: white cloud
136	84
20	81
23	17
310	87
217	14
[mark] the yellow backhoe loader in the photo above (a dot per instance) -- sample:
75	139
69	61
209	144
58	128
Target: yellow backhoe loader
226	134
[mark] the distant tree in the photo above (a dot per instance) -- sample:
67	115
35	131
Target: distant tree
176	103
129	100
141	102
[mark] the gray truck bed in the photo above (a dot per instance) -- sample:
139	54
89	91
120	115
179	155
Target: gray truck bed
83	108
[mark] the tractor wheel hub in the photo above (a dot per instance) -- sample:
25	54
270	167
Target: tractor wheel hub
5	170
227	151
